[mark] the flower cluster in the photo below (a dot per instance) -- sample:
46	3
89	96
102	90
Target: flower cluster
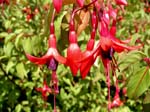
103	20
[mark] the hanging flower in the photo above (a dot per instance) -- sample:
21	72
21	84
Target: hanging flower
108	39
51	55
73	50
44	90
87	63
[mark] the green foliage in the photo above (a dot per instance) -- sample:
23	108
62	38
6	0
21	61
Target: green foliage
19	77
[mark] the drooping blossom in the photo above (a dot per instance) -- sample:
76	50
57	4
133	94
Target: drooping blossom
87	63
44	90
116	100
73	50
108	39
51	59
108	45
52	53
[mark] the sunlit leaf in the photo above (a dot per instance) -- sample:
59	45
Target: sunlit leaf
21	71
138	83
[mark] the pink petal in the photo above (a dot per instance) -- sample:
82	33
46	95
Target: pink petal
103	29
119	47
73	54
37	60
113	28
86	65
112	12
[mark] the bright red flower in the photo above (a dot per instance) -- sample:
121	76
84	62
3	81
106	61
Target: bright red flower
108	45
44	90
108	39
87	63
52	56
57	5
116	102
73	51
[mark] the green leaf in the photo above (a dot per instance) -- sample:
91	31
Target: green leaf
10	37
67	81
3	34
18	108
27	45
21	71
138	83
63	94
129	59
9	66
8	49
18	40
7	24
58	22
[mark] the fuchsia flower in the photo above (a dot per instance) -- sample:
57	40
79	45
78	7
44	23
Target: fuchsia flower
116	102
87	63
52	56
108	45
44	90
57	5
73	50
108	39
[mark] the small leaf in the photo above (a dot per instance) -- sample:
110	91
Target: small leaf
27	45
63	94
18	40
138	83
9	66
67	81
7	24
8	49
3	34
21	71
18	108
10	37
